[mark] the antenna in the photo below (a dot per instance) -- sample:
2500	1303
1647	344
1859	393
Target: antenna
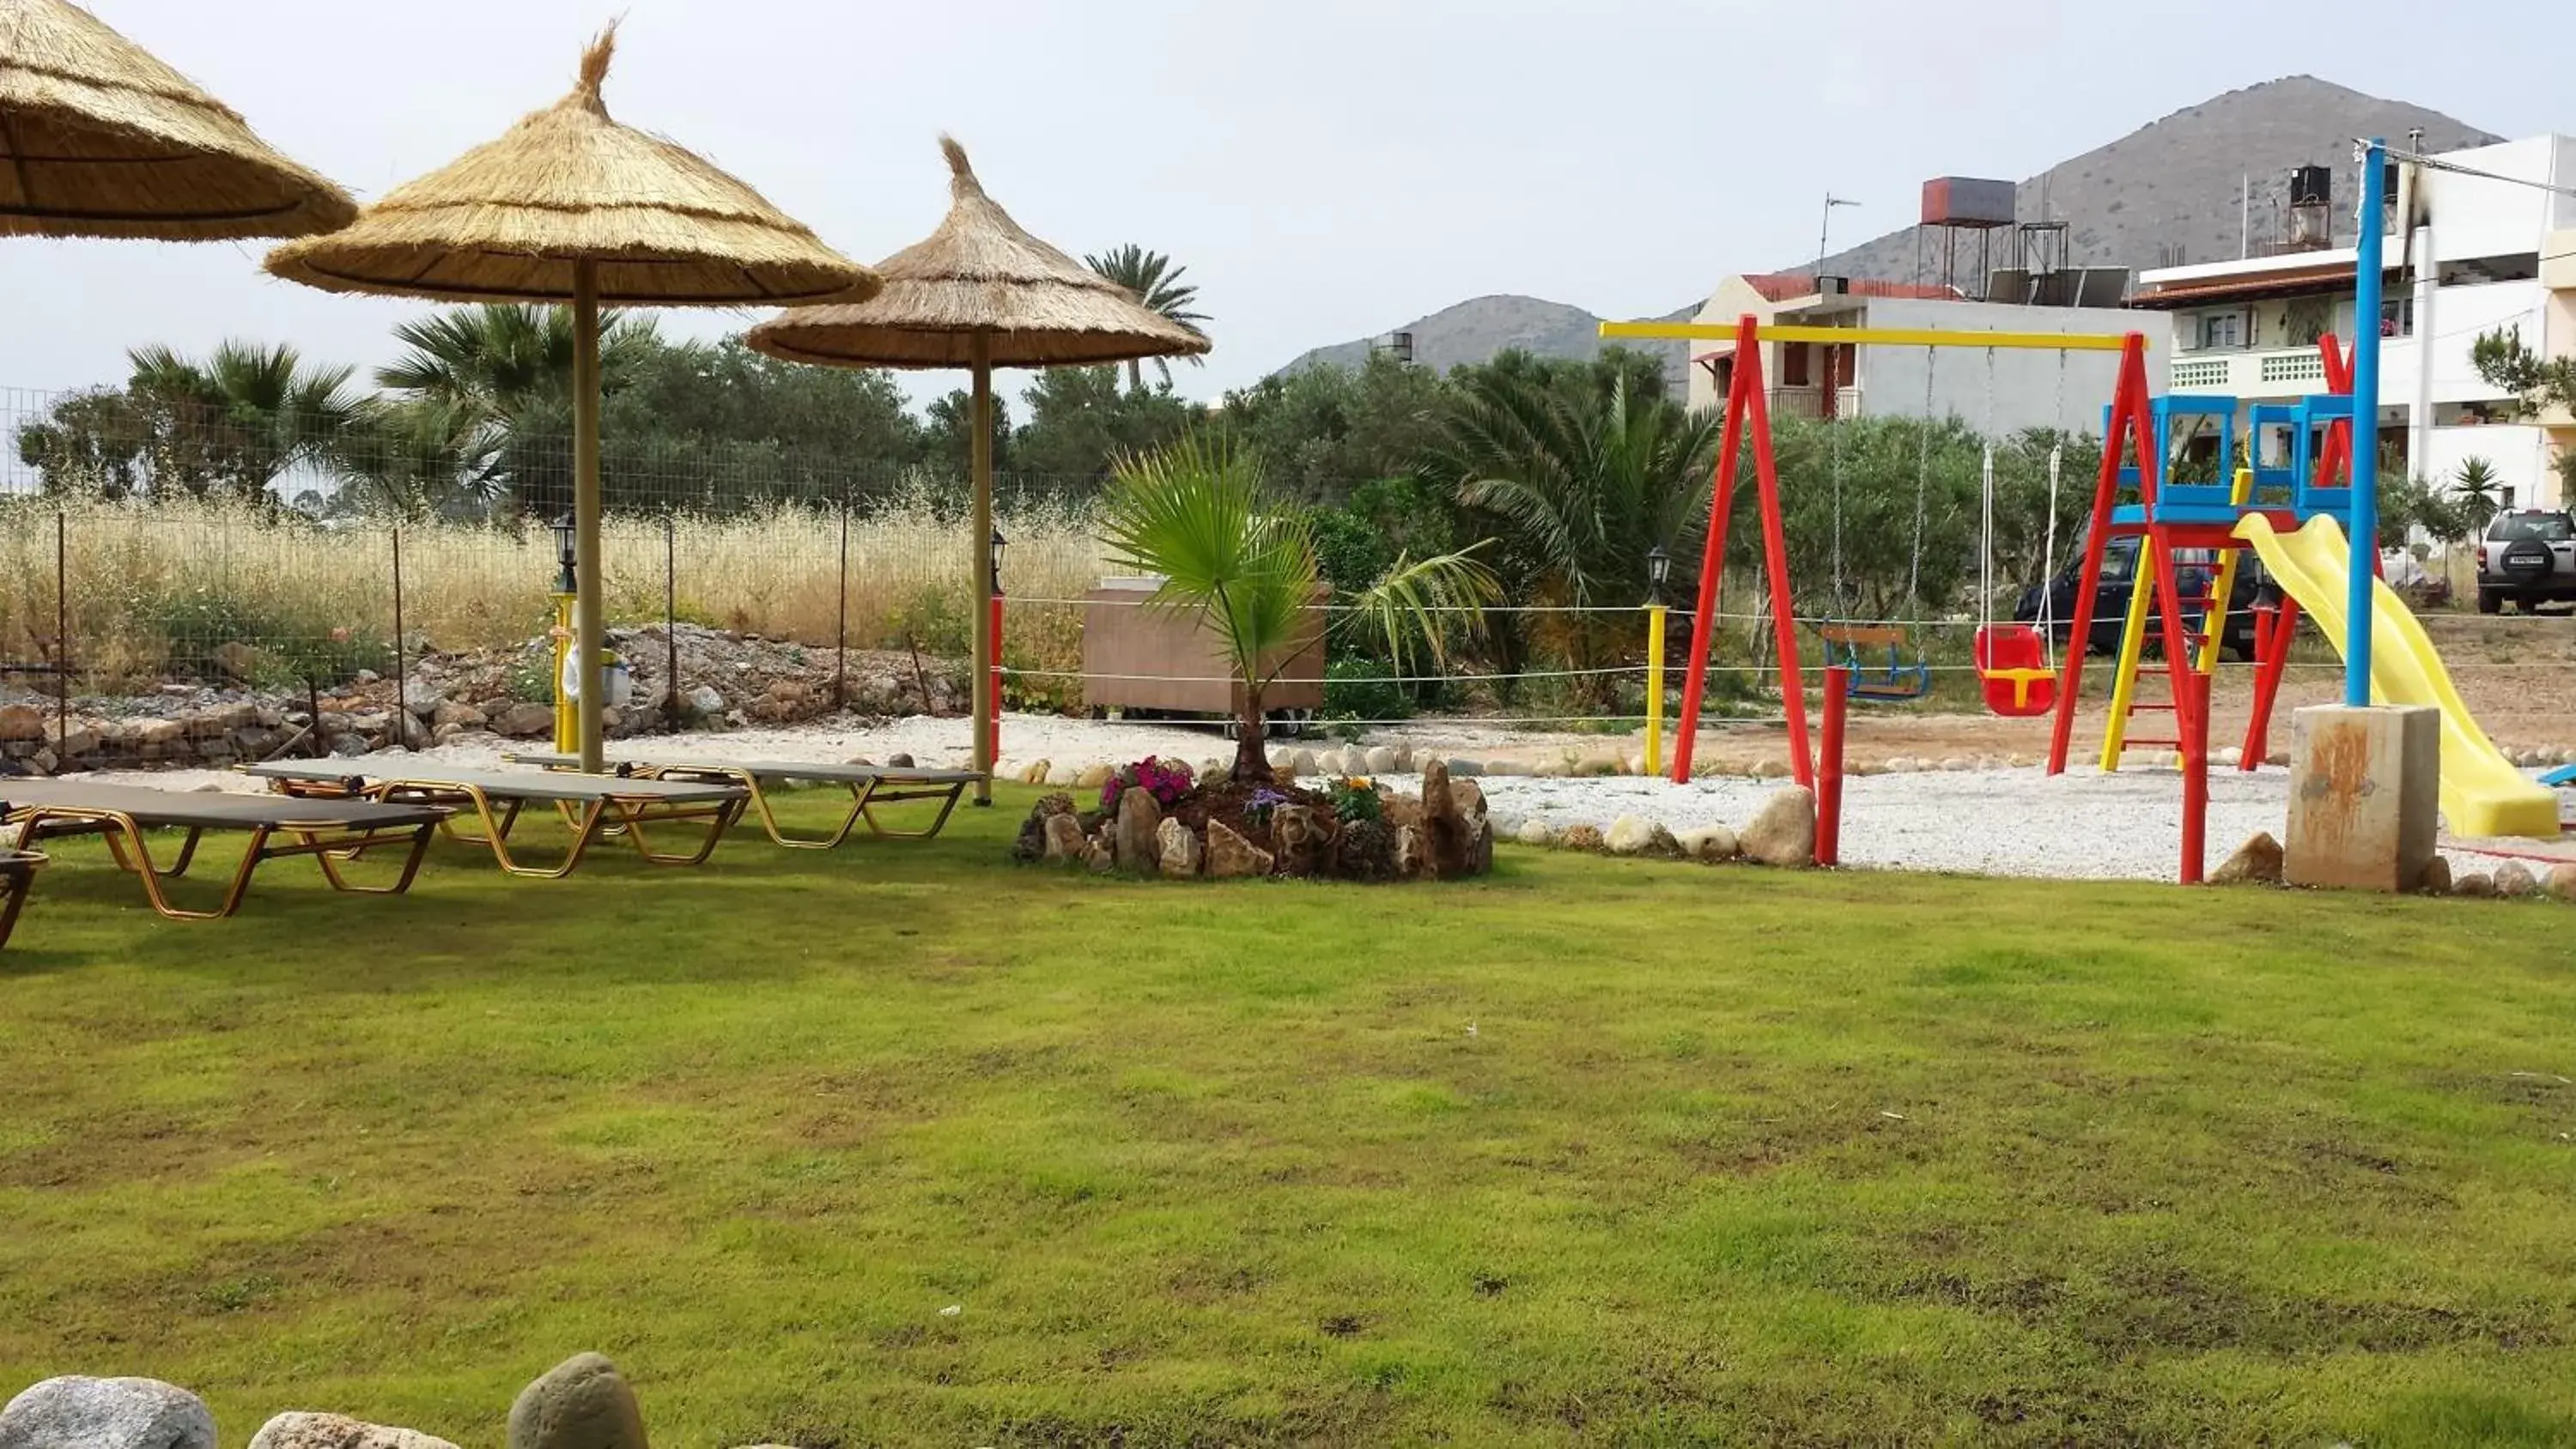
1825	232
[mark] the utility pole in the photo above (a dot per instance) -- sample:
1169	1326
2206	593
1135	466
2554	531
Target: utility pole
1825	233
2418	221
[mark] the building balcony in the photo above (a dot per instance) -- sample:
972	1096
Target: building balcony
2276	372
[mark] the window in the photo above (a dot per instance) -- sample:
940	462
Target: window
2546	527
2306	319
1845	363
1793	365
2222	329
2397	317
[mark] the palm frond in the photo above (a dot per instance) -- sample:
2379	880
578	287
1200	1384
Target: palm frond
1426	600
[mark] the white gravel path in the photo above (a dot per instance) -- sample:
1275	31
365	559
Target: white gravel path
2013	822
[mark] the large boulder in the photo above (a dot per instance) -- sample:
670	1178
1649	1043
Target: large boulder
1448	828
2256	862
1301	840
1630	835
581	1403
2436	879
1365	851
1135	838
20	722
1410	854
74	1412
1586	838
1712	845
1784	833
333	1431
2514	881
2560	883
1480	848
1176	850
1535	831
524	721
1230	856
1383	761
1065	843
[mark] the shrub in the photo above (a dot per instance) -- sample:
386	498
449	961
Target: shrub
1357	688
1168	781
1355	800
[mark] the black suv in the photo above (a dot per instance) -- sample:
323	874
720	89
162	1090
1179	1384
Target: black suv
2528	557
2111	601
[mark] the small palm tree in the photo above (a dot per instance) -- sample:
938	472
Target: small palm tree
503	358
1157	284
1578	487
2478	492
1194	515
244	416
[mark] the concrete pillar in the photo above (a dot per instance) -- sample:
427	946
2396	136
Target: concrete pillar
2365	788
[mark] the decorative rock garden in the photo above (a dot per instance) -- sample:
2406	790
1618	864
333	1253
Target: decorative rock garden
1161	818
581	1403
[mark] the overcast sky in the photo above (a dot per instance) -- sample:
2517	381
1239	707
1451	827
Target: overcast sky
1326	169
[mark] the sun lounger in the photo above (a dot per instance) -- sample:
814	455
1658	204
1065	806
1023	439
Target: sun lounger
870	786
17	877
593	806
334	833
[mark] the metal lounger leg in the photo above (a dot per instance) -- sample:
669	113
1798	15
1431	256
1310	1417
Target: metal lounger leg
331	860
867	806
721	818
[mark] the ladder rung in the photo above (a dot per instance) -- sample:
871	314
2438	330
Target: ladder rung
2150	744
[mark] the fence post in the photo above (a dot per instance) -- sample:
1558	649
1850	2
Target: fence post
1655	689
403	722
62	637
841	615
671	621
1829	769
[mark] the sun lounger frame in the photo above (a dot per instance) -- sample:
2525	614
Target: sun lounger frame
332	842
17	878
591	810
870	787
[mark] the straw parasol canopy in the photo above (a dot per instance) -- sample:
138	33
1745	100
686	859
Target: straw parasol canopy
979	293
98	138
570	206
567	188
979	276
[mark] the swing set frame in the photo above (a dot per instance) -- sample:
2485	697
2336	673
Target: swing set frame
1748	414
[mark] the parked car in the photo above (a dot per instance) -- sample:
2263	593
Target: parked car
2528	557
2119	578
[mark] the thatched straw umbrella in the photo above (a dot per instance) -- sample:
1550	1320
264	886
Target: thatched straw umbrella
98	138
570	206
979	293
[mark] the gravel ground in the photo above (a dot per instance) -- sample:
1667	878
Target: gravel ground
2016	822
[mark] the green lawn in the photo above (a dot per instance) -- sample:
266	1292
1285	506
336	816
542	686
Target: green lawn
1588	1152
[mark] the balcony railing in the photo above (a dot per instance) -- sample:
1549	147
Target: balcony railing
1809	402
2278	372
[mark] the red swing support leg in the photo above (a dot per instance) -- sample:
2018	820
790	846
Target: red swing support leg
2128	427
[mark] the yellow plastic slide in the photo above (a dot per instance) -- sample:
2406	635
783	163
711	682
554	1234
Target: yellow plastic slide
2482	793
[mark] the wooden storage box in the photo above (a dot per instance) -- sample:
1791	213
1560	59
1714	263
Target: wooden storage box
1157	660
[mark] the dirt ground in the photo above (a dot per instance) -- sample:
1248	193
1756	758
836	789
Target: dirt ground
2517	675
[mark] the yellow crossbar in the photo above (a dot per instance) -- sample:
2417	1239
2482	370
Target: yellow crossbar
1871	336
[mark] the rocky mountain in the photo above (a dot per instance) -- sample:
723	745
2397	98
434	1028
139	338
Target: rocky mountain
1475	330
2173	187
2176	187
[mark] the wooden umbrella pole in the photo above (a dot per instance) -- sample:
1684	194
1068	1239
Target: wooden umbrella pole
588	629
980	539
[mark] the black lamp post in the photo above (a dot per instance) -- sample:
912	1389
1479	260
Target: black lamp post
1659	570
566	582
999	544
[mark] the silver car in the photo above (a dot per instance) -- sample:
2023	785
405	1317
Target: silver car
2528	557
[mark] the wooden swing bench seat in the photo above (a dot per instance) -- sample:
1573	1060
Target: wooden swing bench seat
1895	681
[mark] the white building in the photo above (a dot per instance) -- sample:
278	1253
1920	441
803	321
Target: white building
1993	390
2506	258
